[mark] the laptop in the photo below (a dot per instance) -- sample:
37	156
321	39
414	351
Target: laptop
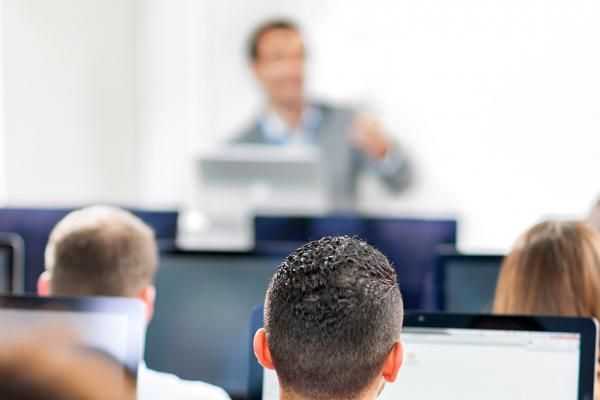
12	263
237	180
112	325
468	357
262	177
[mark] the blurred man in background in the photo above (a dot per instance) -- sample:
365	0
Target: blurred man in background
348	143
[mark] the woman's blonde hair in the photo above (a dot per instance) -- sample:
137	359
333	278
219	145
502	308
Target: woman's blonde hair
554	269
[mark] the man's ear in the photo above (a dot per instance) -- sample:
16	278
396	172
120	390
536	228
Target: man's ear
148	295
261	349
393	362
43	284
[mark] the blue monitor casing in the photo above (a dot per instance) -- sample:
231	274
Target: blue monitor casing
35	224
410	244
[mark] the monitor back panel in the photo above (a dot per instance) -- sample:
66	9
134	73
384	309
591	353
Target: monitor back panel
410	244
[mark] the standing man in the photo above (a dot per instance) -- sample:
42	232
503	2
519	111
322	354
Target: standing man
347	142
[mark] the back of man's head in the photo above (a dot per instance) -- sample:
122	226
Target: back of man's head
101	251
333	313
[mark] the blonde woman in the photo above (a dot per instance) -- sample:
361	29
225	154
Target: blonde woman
554	269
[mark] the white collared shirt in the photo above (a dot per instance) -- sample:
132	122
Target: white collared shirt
154	385
277	131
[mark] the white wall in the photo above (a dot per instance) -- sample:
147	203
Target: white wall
71	123
496	100
173	88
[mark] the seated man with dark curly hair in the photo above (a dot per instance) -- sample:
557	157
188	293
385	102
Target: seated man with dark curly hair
333	314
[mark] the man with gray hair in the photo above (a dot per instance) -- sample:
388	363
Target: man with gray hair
107	251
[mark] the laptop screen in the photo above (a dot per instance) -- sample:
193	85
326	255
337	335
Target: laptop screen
105	331
492	362
113	326
487	364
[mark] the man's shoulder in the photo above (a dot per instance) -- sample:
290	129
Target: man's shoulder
251	134
333	110
330	113
160	385
336	121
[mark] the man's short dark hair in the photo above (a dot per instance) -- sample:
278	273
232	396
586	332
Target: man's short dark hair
264	28
333	312
101	251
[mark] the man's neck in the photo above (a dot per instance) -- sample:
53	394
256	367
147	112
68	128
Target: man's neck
291	114
289	395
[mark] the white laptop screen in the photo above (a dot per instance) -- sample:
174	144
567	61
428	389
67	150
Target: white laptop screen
114	325
104	331
471	364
